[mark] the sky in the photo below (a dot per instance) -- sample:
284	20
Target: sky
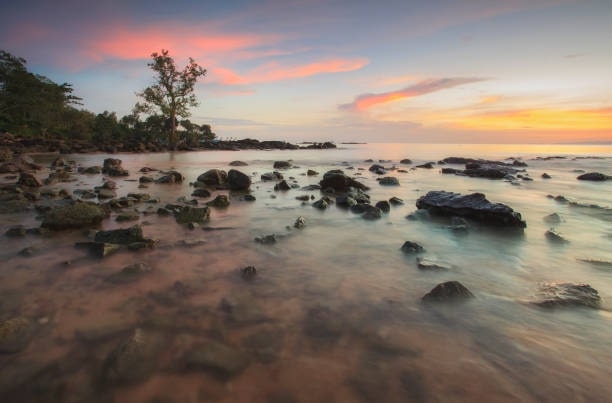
437	71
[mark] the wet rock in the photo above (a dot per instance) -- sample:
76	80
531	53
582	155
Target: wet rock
213	177
282	186
303	198
410	247
248	273
99	249
188	214
311	172
15	334
282	165
546	176
553	295
452	171
241	310
201	192
593	176
123	236
396	201
170	177
271	176
237	180
127	216
78	215
58	176
474	205
553	218
93	170
339	182
372	213
450	290
310	188
555	237
129	273
218	359
221	201
406	161
300	222
28	180
266	239
384	206
377	169
429	264
249	198
106	194
489	172
427	165
112	167
16	231
458	224
238	164
134	359
389	181
322	203
146	179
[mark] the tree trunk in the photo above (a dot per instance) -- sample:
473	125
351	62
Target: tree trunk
172	138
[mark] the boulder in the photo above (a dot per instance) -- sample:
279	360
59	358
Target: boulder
271	176
551	295
238	164
122	236
450	290
213	177
237	180
593	176
474	205
546	176
384	206
78	215
188	214
282	164
406	161
429	264
112	167
552	218
93	170
389	181
372	213
322	203
427	165
311	172
555	237
106	193
248	273
282	186
170	177
396	201
377	169
339	182
410	247
300	222
221	201
201	192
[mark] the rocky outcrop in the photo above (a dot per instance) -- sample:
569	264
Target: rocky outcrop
553	295
448	291
237	180
339	182
474	205
78	215
238	164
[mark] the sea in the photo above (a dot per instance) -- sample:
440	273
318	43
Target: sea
334	312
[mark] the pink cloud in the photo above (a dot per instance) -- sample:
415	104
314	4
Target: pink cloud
367	101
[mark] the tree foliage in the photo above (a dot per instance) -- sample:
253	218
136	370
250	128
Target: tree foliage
172	94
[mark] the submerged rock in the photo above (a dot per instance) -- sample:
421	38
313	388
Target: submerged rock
593	176
282	186
552	295
555	237
372	213
15	334
412	247
122	236
300	222
219	359
248	273
28	180
474	205
450	290
189	214
78	215
282	164
389	181
238	164
271	176
171	177
129	273
553	218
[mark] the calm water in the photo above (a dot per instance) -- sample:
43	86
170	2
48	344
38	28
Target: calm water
334	313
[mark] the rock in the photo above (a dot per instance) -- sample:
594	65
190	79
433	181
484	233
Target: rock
546	176
127	216
489	172
58	176
78	215
428	264
384	206
170	177
282	165
322	203
593	176
242	310
129	273
200	192
458	224
553	218
147	169
15	231
249	198
189	214
238	164
133	360
146	179
450	290
121	236
396	201
28	180
474	205
213	177
553	295
109	185
266	239
99	249
300	222
412	247
93	170
271	176
106	194
389	181
221	201
406	161
377	169
555	237
220	360
338	181
282	186
248	273
237	180
452	171
311	172
372	213
15	334
310	188
112	167
427	165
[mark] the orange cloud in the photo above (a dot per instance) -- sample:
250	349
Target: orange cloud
541	119
367	101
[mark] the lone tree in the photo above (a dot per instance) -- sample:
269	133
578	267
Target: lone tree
172	94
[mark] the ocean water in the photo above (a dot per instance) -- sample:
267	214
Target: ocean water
334	313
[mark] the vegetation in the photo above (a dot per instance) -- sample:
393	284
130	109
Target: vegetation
33	106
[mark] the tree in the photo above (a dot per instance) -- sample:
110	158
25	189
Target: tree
172	94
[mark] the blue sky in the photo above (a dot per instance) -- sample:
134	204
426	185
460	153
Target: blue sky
388	71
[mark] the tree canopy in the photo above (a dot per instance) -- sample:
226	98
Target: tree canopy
173	92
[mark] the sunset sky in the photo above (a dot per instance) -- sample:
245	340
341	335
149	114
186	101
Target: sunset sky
451	71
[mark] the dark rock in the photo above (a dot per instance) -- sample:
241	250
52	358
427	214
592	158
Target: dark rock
452	171
474	205
384	206
310	188
15	334
553	218
189	214
147	169
237	180
488	172
300	222
412	247
304	198
427	165
372	213
458	224
220	360
248	272
221	201
201	192
555	237
546	176
112	167
106	194
109	185
122	236
450	290
238	164
249	198
338	181
310	172
127	216
170	177
271	176
389	181
593	176
213	177
282	164
396	201
428	264
266	239
58	176
16	231
282	186
242	310
377	169
28	180
567	294
93	170
99	249
322	203
129	273
78	215
406	161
